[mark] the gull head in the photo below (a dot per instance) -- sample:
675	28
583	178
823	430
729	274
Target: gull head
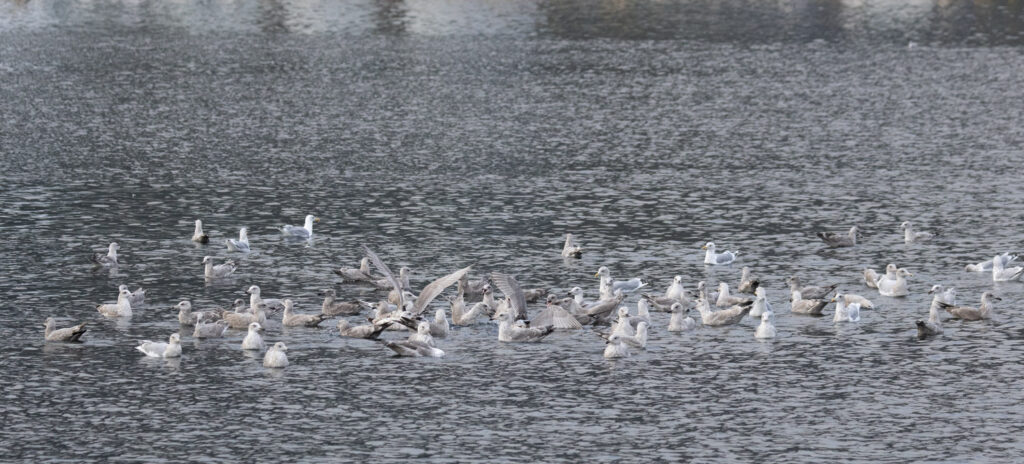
254	289
207	259
49	322
677	279
905	225
760	292
174	339
287	305
838	296
766	317
722	287
575	291
114	246
486	289
676	307
710	246
255	327
904	273
280	346
936	289
890	267
623	311
990	296
551	299
423	328
184	305
328	292
602	271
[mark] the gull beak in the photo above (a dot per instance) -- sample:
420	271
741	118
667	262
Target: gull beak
910	273
597	274
705	247
931	291
833	299
316	219
997	298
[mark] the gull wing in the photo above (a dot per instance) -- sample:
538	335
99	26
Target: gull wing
510	287
383	268
433	289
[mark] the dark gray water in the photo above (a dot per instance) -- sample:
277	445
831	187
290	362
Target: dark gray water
453	133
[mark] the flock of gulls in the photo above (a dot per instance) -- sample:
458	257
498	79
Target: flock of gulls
402	309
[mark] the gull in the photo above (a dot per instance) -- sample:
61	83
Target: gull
187	317
681	320
676	290
211	330
304	232
894	283
509	332
985	266
1001	273
809	306
555	316
439	326
571	249
601	310
276	356
835	240
331	307
218	271
615	348
766	329
198	236
472	290
109	259
933	326
253	340
577	295
123	307
419	344
845	312
909	236
871	277
809	292
171	349
369	331
610	286
639	339
725	299
945	295
362	274
242	244
255	299
460	316
242	320
570	305
729	316
710	257
761	304
973	314
747	283
622	326
513	294
67	334
675	293
427	295
136	298
290	319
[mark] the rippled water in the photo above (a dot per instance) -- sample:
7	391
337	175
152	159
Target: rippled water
453	133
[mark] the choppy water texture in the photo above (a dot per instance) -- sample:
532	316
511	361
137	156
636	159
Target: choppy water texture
452	133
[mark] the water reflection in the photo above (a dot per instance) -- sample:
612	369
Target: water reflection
961	22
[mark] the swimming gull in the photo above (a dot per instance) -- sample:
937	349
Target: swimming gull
871	277
600	311
747	284
577	295
367	331
1001	273
304	232
109	259
510	332
198	236
676	290
973	314
611	285
681	320
945	295
419	344
622	326
360	274
253	340
123	307
729	316
276	356
67	334
513	294
810	292
933	326
725	299
461	316
710	257
761	304
766	329
136	298
255	298
615	348
332	307
439	326
210	330
242	244
171	349
894	283
290	319
985	266
836	240
188	317
242	320
909	236
806	306
555	316
571	249
845	312
218	271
